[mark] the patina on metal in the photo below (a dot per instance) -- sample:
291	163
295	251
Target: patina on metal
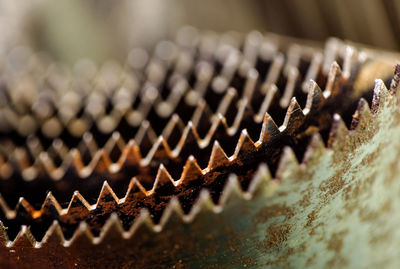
329	210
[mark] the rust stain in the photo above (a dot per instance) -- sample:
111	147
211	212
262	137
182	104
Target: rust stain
268	212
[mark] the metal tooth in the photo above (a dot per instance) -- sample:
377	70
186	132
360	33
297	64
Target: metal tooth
88	145
313	70
166	108
314	151
107	197
130	154
334	75
244	145
50	206
338	130
293	74
202	114
362	113
350	55
273	74
250	85
116	142
332	47
163	178
189	135
221	82
226	101
160	146
217	157
101	162
191	171
294	117
145	134
77	206
394	84
5	168
288	163
250	51
315	98
24	239
24	209
381	95
269	129
205	73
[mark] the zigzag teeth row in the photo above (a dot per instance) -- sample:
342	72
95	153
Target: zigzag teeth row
107	199
130	153
55	231
164	183
168	177
146	136
131	88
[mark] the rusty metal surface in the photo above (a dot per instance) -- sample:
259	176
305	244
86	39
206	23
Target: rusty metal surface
243	163
336	209
330	210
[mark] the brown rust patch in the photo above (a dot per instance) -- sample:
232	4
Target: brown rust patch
277	235
305	201
335	244
310	260
267	212
310	218
369	216
333	185
282	260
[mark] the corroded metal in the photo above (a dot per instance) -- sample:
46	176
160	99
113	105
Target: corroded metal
231	213
338	205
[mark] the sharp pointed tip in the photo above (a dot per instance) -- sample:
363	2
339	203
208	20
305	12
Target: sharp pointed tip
175	117
378	82
145	124
231	91
75	152
116	135
394	84
131	143
252	73
337	117
335	64
49	195
44	156
87	137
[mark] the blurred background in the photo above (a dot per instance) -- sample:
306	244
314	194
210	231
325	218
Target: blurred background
104	29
